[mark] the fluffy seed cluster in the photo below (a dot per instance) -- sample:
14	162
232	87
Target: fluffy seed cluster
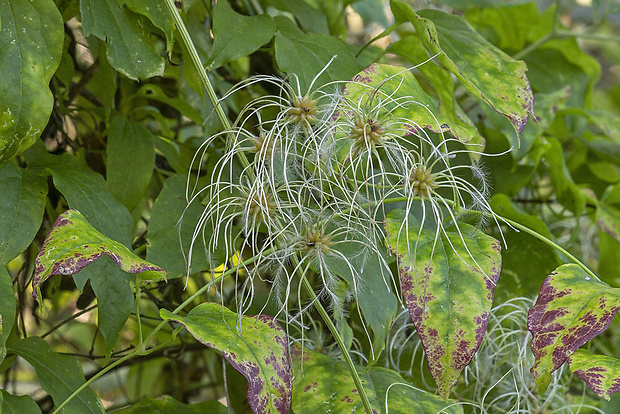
303	180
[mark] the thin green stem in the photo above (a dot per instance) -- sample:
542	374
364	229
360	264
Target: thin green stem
340	342
202	73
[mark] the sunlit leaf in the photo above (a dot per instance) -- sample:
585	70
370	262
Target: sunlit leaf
571	309
236	35
126	35
256	346
73	244
600	372
59	375
447	282
31	38
323	384
485	70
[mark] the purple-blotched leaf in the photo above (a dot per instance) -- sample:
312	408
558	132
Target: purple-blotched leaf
600	372
73	244
571	309
256	346
447	282
486	71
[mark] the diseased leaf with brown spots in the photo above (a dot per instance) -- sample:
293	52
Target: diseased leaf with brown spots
256	346
600	372
486	71
73	244
447	282
571	309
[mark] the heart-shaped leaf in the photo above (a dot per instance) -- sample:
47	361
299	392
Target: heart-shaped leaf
256	346
447	281
73	244
571	309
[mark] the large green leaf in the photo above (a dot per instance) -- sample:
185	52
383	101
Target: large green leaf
527	260
8	309
236	35
126	33
165	236
256	346
168	405
310	18
73	244
484	70
399	83
157	13
571	309
59	375
21	209
307	55
12	404
600	372
323	384
447	282
131	158
31	39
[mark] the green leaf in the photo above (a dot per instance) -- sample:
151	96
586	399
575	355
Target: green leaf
527	260
559	63
73	244
411	48
310	18
8	309
600	372
168	405
31	36
323	384
59	375
567	191
447	282
131	158
571	309
372	283
307	55
236	35
164	245
87	192
12	404
484	70
157	13
256	346
511	26
399	83
126	35
21	209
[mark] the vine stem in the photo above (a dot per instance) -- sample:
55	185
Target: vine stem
227	126
140	351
